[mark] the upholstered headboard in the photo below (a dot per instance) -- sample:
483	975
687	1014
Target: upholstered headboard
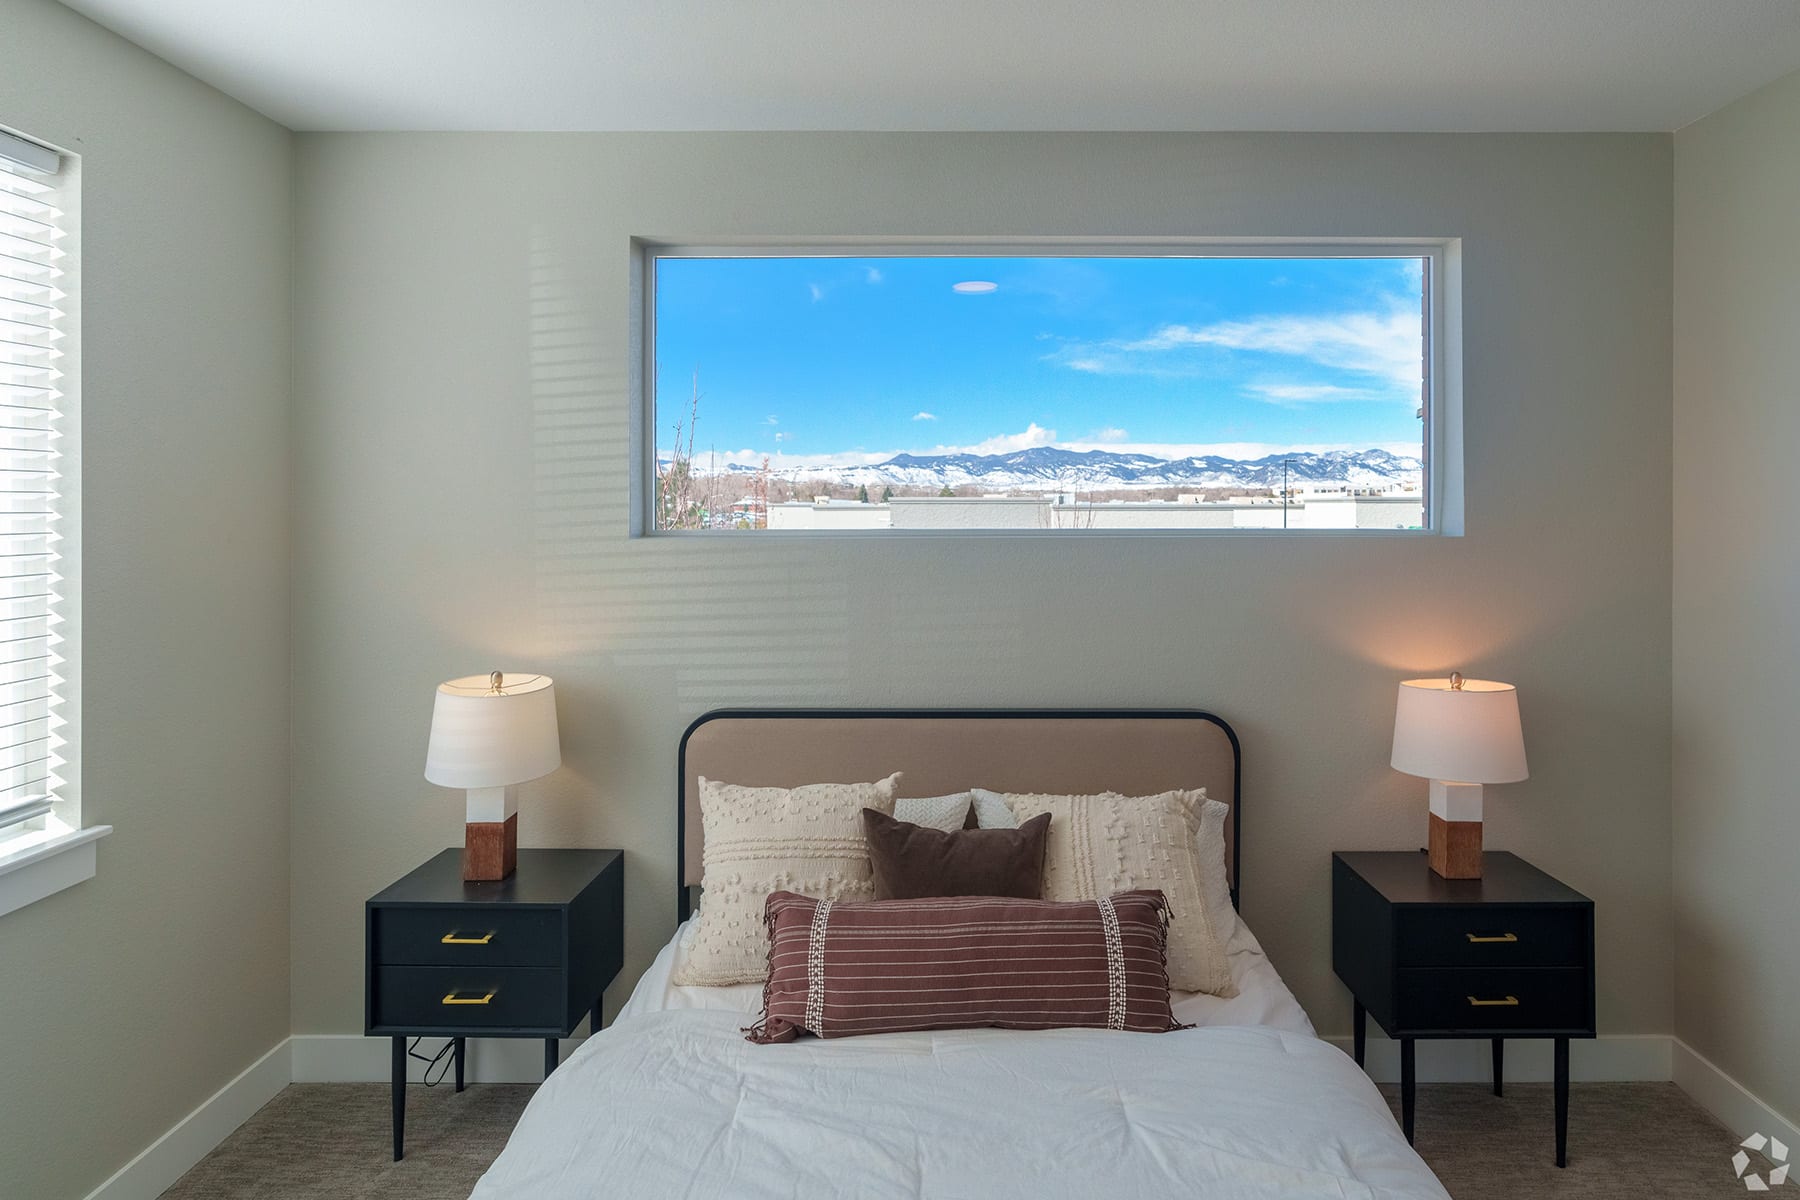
1133	751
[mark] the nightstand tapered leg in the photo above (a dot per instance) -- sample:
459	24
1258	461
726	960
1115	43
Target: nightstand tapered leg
1359	1018
399	1098
552	1056
1499	1063
458	1052
1406	1088
1562	1102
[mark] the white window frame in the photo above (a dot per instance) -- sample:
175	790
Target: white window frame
1441	438
53	850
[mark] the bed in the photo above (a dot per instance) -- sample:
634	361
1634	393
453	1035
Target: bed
670	1100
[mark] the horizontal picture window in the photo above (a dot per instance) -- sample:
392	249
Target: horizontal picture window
1208	389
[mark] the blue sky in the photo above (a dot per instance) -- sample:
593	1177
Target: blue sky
814	359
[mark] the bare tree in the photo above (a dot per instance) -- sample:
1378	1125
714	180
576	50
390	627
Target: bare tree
678	490
759	516
1073	515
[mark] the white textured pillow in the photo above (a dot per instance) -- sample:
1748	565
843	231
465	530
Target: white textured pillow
991	811
1215	881
1109	843
759	840
934	812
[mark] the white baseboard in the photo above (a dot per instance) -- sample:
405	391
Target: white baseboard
1619	1058
352	1058
170	1156
1736	1106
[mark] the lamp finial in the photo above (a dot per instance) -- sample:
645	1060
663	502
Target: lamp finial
1456	681
496	680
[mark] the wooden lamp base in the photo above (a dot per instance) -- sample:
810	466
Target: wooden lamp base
1455	851
491	849
1456	829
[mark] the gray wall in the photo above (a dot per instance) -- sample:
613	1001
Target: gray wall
461	477
1737	590
130	998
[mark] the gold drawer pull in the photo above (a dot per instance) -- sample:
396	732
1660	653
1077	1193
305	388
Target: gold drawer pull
1509	1002
453	998
456	939
1477	938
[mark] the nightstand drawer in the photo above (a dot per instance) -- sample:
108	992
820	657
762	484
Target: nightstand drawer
484	997
467	936
1450	1001
1491	935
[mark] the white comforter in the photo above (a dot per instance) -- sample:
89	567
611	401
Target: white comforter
677	1104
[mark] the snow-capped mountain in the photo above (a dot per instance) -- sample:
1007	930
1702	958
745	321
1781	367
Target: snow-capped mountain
1047	468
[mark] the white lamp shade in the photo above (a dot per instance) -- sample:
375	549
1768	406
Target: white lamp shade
1469	735
483	738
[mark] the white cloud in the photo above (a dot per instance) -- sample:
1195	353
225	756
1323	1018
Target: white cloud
771	420
924	416
1385	345
1308	393
1006	443
873	275
784	437
818	292
974	287
1109	434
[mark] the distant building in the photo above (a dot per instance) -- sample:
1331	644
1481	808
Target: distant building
1188	511
1396	510
825	513
968	512
1349	509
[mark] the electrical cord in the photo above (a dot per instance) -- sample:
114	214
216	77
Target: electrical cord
442	1060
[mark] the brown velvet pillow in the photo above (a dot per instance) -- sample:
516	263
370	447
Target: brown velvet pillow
913	861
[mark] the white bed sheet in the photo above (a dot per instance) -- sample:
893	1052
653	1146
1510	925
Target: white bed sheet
677	1104
1262	999
672	1101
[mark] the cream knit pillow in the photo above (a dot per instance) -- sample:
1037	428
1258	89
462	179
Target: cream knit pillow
759	840
1110	843
991	811
1215	882
944	813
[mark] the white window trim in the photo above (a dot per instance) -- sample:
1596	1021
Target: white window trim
44	861
53	852
1443	408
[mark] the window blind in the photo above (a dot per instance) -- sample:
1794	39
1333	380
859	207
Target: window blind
32	328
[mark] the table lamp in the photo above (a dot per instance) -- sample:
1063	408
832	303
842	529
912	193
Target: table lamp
488	733
1459	733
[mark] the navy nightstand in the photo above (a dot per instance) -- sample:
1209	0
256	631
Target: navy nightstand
525	956
1508	955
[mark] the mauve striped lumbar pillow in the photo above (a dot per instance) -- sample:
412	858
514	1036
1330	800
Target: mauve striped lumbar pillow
888	966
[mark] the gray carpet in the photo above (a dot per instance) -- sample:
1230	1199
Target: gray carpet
1638	1140
333	1141
329	1141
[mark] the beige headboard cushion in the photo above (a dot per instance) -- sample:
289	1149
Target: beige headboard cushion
1136	754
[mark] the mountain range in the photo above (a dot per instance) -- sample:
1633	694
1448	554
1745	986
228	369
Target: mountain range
1048	468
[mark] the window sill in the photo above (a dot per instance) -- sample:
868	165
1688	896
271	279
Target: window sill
41	863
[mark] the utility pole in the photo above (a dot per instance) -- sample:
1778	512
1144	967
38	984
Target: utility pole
1284	490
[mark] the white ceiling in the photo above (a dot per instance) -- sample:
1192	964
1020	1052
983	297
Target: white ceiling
973	64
